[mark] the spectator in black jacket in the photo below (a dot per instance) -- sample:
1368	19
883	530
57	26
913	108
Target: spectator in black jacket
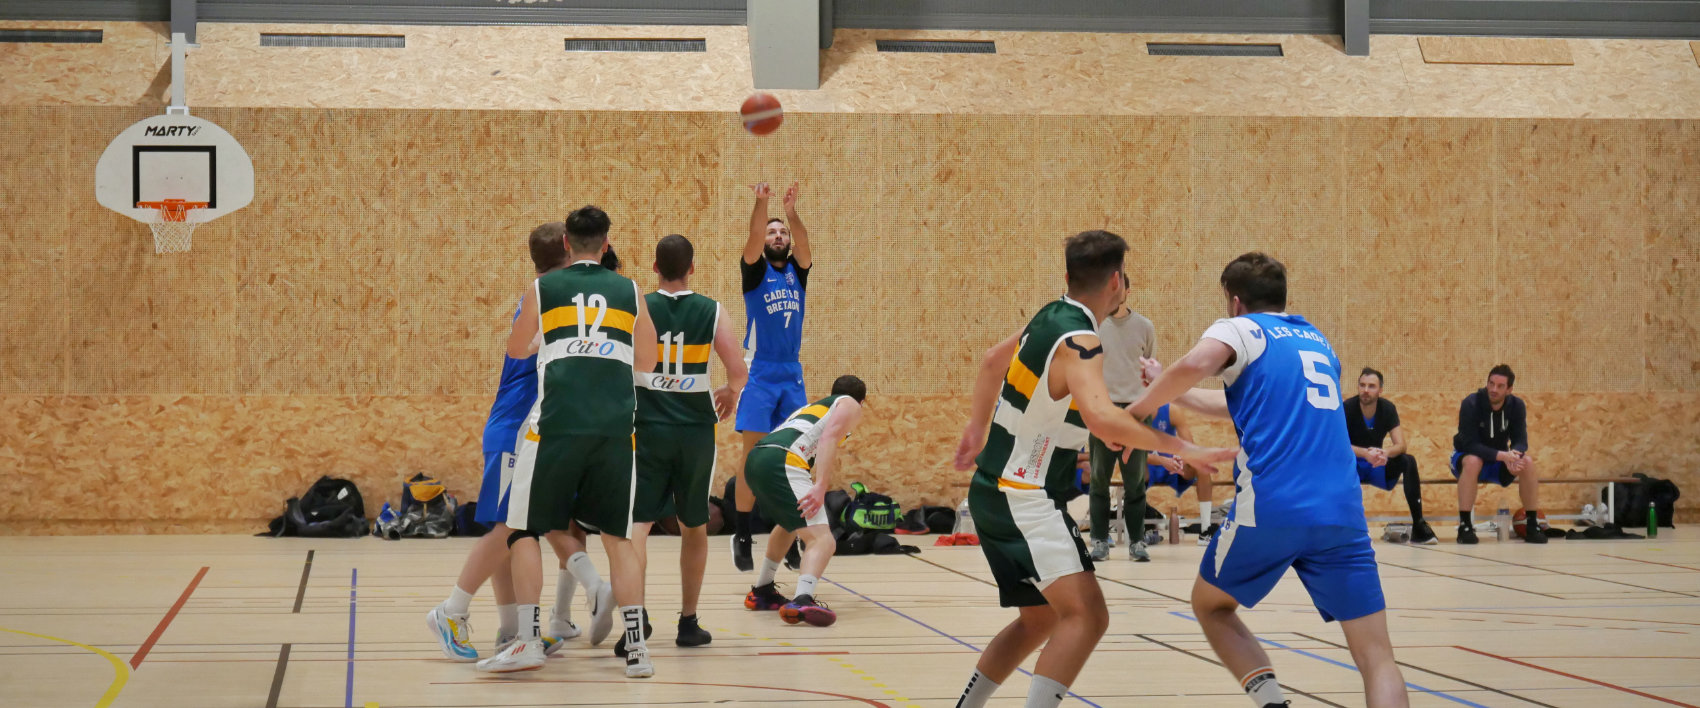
1493	444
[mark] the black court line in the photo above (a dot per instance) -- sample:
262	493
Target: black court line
301	592
1448	677
1468	580
1556	572
1147	590
277	678
953	570
1201	657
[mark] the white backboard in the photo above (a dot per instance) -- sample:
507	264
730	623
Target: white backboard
174	157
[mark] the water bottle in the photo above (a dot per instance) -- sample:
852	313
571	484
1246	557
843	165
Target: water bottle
1652	521
1174	526
1503	521
964	519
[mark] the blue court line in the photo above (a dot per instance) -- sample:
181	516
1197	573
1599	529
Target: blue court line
1345	665
937	631
353	582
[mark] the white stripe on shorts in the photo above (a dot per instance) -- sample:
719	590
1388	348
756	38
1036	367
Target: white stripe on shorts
801	481
1046	531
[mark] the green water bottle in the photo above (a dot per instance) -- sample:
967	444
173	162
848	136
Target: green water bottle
1652	521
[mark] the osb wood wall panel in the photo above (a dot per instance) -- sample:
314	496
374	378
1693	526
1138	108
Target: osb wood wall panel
1495	50
1033	73
350	321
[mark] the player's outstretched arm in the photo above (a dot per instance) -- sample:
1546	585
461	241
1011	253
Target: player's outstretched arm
799	233
826	458
1207	358
758	223
993	366
731	357
524	339
646	350
1080	362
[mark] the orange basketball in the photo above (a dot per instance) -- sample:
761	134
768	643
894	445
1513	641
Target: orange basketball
762	114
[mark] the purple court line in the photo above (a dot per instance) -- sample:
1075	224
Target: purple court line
1344	665
935	630
353	583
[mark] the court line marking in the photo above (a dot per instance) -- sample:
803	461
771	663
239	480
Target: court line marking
1596	682
650	682
120	670
1468	580
1448	677
277	678
1344	665
142	652
301	592
353	585
1555	572
1209	660
1638	560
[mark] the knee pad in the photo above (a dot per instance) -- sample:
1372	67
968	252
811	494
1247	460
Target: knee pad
517	535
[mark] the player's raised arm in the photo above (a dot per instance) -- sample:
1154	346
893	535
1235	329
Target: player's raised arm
799	233
1207	358
524	339
993	366
758	224
731	357
1080	361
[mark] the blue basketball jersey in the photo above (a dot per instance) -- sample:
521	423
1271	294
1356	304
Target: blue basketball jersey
514	396
1295	466
773	312
1160	421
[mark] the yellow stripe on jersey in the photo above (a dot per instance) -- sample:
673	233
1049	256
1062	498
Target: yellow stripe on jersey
567	316
817	410
694	353
793	460
1022	378
531	435
1006	484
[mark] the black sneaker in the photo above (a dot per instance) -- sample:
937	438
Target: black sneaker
691	634
794	556
620	646
1534	535
742	553
1467	535
1422	535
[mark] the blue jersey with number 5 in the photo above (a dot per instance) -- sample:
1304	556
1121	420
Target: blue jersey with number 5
1295	466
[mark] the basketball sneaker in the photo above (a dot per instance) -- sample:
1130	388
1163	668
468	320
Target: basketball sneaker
550	644
637	664
1152	538
692	634
1205	535
558	632
743	553
805	608
1467	535
1100	549
620	646
1138	553
454	634
1422	535
765	598
522	655
794	557
601	613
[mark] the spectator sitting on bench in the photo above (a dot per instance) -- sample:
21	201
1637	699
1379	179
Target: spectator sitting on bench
1371	423
1493	444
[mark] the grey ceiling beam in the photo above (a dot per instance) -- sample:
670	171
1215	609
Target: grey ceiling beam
1356	32
785	43
183	19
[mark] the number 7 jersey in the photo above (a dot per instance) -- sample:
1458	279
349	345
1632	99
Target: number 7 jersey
584	369
1295	466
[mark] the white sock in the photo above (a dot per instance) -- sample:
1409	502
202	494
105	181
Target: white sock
530	622
632	615
564	587
1204	515
581	567
1262	687
768	568
806	585
509	615
979	690
1045	693
459	602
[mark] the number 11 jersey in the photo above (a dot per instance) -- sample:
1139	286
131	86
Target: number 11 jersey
1295	466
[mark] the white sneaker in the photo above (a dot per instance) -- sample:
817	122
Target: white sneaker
503	641
454	634
523	655
601	613
560	630
550	644
1138	554
637	663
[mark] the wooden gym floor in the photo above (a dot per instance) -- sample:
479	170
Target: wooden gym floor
224	621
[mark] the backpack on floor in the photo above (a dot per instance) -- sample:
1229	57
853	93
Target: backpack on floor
868	511
1633	499
427	510
331	508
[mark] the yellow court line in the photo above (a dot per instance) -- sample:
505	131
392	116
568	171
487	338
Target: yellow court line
120	669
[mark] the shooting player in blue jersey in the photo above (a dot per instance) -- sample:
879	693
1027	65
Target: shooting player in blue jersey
1297	502
775	274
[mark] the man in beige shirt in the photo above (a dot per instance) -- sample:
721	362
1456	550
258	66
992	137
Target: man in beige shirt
1127	336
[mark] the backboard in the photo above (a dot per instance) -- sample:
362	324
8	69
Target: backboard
174	157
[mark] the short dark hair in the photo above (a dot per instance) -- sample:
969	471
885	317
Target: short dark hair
851	386
1504	370
548	246
773	219
1260	282
587	228
1372	372
673	256
1092	257
611	260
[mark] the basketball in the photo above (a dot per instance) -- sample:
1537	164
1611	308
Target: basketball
762	114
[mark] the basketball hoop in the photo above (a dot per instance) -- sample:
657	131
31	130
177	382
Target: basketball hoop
172	227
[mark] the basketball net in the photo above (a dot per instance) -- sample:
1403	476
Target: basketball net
172	227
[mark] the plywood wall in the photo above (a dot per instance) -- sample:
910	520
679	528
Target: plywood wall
349	322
